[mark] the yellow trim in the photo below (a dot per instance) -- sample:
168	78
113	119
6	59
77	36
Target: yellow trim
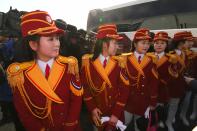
172	72
37	78
71	123
126	82
155	73
161	61
26	21
56	75
107	25
104	72
172	58
87	99
135	63
107	29
120	104
77	92
37	12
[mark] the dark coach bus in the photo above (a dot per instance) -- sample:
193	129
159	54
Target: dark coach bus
153	14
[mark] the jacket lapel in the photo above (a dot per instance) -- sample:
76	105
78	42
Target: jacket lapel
46	87
161	61
104	72
134	62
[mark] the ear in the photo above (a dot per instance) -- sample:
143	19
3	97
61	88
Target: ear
33	45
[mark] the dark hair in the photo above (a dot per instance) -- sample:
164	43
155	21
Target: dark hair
23	51
99	47
174	44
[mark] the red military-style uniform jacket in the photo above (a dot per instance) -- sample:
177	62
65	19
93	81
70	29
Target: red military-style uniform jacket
166	72
143	83
51	104
191	64
177	87
105	88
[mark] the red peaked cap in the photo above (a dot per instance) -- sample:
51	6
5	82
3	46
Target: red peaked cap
38	22
108	31
162	35
142	34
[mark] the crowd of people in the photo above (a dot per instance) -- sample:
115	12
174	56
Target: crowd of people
52	71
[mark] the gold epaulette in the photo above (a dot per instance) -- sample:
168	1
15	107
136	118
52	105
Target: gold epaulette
72	64
126	54
121	60
172	58
15	73
171	52
85	59
152	56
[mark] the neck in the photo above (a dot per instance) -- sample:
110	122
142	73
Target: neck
139	52
159	52
44	59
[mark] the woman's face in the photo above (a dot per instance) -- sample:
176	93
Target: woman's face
110	48
113	46
47	47
188	44
142	46
160	46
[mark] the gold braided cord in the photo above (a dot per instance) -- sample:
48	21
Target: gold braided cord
46	109
90	82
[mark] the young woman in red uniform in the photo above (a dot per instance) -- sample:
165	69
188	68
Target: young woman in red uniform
143	78
177	87
46	87
165	67
190	72
104	80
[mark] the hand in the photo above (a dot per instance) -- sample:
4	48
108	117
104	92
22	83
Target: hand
96	113
188	79
113	119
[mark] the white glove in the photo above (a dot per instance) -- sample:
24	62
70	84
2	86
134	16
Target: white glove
119	124
147	113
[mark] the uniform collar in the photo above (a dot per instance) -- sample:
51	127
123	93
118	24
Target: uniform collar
138	54
42	64
102	58
160	54
178	51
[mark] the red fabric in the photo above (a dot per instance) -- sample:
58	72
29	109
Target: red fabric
161	36
140	97
177	87
47	71
105	63
106	100
142	34
163	88
139	59
108	31
38	22
183	35
69	111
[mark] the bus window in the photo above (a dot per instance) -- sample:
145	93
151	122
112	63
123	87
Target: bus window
188	20
160	22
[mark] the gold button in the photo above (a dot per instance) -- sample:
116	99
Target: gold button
142	93
109	97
